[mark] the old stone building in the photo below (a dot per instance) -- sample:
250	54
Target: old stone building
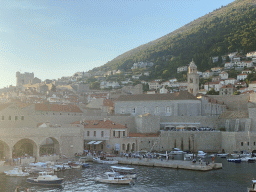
193	79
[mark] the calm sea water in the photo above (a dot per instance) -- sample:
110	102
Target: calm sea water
233	177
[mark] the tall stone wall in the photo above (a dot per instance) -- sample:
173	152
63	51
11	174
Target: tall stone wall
147	123
205	121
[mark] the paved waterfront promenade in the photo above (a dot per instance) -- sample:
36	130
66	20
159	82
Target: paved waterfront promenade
175	164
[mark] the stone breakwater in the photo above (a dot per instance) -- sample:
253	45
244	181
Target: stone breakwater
175	164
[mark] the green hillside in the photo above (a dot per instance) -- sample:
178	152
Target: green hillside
228	29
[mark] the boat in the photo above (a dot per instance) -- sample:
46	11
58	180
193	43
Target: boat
253	189
222	155
247	159
75	165
176	151
125	171
104	161
201	154
44	178
85	165
114	178
234	160
17	172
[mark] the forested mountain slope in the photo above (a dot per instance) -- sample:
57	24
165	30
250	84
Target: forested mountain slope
228	29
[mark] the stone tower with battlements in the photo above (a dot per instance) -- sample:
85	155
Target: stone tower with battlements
193	78
23	78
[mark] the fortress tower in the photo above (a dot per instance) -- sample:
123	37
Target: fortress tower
193	79
22	79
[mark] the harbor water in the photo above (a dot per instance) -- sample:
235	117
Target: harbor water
232	177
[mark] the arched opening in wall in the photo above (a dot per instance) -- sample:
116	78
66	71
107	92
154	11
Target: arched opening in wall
175	143
4	150
128	147
50	146
181	144
123	147
133	147
189	144
24	147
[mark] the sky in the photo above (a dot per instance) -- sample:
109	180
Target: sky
56	38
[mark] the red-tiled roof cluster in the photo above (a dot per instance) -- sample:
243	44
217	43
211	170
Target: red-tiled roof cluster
56	107
108	102
227	86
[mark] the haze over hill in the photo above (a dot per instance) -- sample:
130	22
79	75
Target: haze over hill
227	29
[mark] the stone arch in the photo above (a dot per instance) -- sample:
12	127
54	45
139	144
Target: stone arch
133	147
4	150
24	147
49	146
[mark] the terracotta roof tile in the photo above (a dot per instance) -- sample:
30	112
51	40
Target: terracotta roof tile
56	107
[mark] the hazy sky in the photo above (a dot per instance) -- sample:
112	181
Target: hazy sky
55	38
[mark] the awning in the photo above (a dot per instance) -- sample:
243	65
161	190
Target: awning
98	142
91	142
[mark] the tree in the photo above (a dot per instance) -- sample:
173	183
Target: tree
95	85
236	93
212	92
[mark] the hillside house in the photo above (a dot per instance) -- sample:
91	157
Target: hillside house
182	69
207	74
241	77
231	81
252	86
154	85
223	75
227	90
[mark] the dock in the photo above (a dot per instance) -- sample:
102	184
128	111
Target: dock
174	164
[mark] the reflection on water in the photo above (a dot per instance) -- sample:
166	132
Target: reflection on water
233	177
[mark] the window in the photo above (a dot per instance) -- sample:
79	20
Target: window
254	143
2	118
122	110
248	143
10	117
156	110
133	110
22	118
16	118
168	109
94	133
102	133
114	133
242	144
124	134
88	133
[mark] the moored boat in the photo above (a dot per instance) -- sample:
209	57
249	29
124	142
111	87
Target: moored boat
125	171
45	178
17	172
234	160
253	189
104	161
113	178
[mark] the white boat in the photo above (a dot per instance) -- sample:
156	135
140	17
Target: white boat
45	178
104	161
176	151
17	172
114	178
222	155
189	155
125	171
201	154
237	154
247	159
75	165
253	189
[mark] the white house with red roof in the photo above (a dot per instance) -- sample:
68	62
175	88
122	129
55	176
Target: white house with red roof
207	74
153	85
242	76
215	85
231	81
223	75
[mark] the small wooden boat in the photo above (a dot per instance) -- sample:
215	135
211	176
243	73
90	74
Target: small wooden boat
45	178
113	178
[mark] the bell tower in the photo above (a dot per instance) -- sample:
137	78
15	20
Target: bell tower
193	78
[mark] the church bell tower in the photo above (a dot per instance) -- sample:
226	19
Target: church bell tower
193	78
